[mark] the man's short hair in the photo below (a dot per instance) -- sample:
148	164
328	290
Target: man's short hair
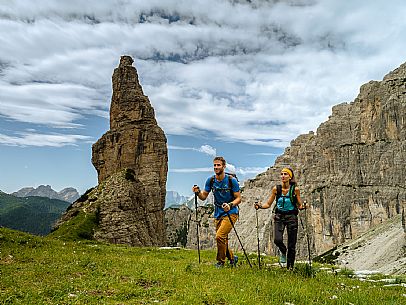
223	161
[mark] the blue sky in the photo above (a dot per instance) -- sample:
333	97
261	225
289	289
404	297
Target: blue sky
234	78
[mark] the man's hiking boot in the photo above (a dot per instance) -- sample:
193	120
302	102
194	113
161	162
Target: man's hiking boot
234	262
219	265
282	259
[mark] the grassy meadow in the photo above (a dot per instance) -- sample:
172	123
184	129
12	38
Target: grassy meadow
44	270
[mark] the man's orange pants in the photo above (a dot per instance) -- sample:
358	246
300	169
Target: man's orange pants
223	228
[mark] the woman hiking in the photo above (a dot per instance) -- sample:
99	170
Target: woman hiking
288	203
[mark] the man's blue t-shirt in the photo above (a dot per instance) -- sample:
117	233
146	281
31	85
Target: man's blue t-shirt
222	194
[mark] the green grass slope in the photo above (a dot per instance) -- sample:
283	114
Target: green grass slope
44	270
79	228
34	215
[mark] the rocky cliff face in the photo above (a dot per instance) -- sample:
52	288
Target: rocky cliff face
351	171
131	162
177	220
181	226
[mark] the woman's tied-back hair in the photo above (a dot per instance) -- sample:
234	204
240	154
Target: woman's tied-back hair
290	173
223	161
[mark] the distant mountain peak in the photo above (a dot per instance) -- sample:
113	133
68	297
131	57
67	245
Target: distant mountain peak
174	198
45	187
68	194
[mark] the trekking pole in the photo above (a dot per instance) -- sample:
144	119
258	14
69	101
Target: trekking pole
245	253
197	227
307	236
259	253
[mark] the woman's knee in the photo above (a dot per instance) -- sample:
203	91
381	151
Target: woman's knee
277	240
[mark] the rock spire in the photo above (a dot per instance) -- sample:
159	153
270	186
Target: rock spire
131	160
134	140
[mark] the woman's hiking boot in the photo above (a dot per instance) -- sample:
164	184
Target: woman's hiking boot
234	262
282	260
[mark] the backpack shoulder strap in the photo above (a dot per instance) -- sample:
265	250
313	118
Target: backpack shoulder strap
212	182
292	194
230	182
278	191
230	185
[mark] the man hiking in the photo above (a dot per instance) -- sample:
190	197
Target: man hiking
288	203
227	197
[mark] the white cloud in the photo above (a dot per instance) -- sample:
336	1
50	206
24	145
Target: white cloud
191	170
174	147
242	172
258	73
230	168
206	149
57	105
249	171
33	139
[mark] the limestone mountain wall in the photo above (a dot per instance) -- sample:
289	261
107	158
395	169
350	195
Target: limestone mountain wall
351	171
